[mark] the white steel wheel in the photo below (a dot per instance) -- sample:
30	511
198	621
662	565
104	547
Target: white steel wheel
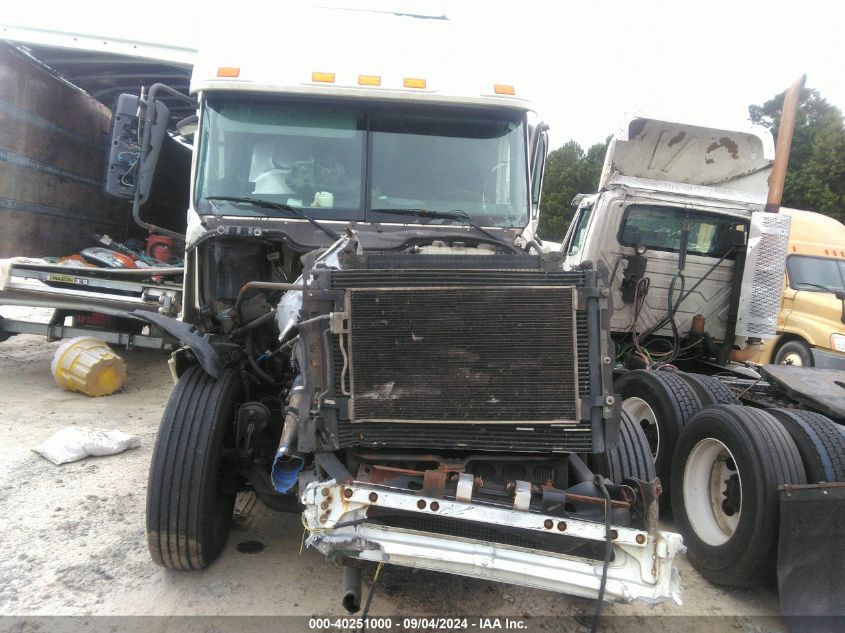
731	525
660	403
643	415
792	358
712	488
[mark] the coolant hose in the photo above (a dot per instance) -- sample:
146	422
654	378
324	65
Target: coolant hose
264	318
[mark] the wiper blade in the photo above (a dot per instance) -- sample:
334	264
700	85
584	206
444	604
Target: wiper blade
456	215
278	206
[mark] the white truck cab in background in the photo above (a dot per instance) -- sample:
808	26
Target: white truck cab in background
675	201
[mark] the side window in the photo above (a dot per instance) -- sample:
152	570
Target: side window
662	229
579	232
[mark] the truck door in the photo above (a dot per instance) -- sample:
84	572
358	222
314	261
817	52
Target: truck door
576	236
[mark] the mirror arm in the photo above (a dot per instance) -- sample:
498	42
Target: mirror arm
149	119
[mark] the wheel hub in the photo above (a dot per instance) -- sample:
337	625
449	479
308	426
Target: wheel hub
712	491
642	413
732	496
792	359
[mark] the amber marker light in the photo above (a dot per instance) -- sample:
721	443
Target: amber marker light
326	78
503	89
369	80
228	71
411	82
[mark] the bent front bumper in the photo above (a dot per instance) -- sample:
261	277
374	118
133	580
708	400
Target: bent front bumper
641	569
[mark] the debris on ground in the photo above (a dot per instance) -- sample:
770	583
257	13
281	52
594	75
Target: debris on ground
88	365
78	442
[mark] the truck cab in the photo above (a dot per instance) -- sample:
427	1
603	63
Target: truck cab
811	323
373	337
676	207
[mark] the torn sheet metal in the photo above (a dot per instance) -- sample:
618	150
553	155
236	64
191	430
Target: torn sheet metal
287	314
642	567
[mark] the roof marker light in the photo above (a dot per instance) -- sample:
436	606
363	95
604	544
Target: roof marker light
503	89
228	71
411	82
369	80
327	78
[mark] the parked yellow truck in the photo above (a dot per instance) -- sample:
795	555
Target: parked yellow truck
811	323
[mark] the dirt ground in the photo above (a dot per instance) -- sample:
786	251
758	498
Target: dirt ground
73	538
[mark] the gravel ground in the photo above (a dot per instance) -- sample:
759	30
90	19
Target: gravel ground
73	536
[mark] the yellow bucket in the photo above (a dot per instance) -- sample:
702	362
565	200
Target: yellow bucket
88	365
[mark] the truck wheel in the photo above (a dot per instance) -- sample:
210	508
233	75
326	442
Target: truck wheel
820	442
710	390
630	458
661	403
4	336
190	497
795	353
728	464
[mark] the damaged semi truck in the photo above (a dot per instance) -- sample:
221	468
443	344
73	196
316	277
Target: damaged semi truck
374	336
686	220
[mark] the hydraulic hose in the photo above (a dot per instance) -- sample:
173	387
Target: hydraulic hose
250	355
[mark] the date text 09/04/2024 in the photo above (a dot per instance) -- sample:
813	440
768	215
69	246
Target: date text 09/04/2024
414	624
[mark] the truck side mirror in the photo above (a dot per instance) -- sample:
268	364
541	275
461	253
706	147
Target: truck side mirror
537	168
840	294
128	168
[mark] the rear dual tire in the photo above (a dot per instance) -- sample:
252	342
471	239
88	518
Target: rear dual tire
709	390
662	403
820	442
728	463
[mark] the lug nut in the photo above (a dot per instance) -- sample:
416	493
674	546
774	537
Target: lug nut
347	493
325	505
373	497
421	504
434	506
548	524
324	518
561	526
325	492
614	535
640	538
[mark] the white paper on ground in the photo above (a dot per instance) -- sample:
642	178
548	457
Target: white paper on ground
78	442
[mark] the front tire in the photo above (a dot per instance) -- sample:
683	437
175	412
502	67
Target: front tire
728	463
795	353
190	496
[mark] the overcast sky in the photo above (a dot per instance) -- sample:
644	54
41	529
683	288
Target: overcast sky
587	64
